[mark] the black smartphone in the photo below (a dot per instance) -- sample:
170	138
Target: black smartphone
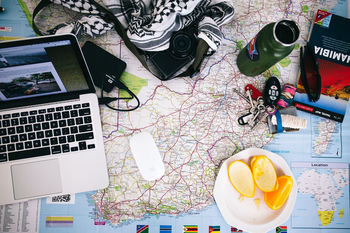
105	68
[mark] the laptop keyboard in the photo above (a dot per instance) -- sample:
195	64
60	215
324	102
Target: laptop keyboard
43	132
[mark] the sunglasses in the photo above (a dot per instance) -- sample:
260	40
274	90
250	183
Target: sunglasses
310	76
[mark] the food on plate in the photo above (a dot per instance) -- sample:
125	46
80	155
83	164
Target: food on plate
261	173
241	178
275	199
264	173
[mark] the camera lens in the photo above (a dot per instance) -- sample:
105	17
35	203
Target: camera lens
181	44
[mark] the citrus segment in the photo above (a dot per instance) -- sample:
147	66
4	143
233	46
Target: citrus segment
252	160
241	178
277	198
264	173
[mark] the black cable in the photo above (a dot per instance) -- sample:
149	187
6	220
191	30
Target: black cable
107	100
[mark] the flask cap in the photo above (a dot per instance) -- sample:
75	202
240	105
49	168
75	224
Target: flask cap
286	32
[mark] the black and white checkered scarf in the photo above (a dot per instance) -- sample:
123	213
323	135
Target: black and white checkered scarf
150	23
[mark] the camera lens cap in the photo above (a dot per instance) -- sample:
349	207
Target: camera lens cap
181	44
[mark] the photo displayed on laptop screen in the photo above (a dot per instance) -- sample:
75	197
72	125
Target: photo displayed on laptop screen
39	70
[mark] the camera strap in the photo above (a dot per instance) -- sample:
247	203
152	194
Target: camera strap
98	20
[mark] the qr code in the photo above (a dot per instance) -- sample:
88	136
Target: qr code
61	199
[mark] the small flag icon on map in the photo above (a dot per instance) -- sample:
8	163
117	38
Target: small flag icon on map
142	229
59	221
190	229
234	229
165	229
281	229
214	229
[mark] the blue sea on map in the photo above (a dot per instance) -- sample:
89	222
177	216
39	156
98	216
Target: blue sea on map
15	20
341	8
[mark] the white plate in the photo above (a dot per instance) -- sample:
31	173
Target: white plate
246	214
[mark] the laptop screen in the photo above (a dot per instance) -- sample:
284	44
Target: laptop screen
48	67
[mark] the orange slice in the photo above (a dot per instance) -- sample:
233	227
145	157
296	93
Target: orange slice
275	199
264	173
241	178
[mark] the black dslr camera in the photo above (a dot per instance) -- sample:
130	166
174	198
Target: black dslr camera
181	52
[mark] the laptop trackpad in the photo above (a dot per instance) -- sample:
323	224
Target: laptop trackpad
36	179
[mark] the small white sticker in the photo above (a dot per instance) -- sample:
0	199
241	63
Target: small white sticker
61	199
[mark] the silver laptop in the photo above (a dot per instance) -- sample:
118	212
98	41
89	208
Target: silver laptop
51	139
